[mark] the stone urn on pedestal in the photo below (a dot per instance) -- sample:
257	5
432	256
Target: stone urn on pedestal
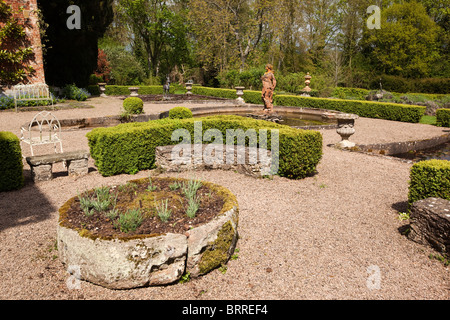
240	93
102	88
189	87
134	91
346	123
307	89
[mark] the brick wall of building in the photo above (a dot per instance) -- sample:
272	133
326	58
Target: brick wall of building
32	31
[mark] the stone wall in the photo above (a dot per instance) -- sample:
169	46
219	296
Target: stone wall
251	161
33	34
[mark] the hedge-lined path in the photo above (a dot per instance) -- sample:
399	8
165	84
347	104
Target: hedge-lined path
307	239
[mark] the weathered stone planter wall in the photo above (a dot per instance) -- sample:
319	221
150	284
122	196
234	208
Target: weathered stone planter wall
150	259
248	160
430	223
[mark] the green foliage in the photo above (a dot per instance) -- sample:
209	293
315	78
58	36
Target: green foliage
129	221
129	147
388	111
430	178
180	113
377	110
350	93
72	92
163	210
443	117
400	84
133	105
11	166
407	43
115	90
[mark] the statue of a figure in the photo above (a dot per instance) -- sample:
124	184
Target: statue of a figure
269	83
166	87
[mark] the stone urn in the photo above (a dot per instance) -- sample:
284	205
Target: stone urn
189	87
346	123
133	91
240	93
102	87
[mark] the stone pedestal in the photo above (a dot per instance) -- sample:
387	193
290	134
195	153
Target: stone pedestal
42	172
77	167
240	93
133	91
102	88
188	88
346	123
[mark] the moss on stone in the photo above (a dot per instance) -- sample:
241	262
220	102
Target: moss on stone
219	251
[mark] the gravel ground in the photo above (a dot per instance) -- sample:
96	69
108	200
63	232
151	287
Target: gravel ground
316	238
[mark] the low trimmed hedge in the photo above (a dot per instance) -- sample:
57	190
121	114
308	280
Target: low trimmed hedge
369	109
443	117
429	178
11	166
128	148
113	90
377	110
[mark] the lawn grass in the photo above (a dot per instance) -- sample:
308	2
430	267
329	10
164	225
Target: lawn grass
428	120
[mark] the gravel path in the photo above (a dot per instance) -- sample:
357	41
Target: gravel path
316	238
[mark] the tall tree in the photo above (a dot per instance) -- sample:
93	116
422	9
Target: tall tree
406	44
228	29
155	26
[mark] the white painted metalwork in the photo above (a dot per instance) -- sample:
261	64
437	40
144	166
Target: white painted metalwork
43	129
31	92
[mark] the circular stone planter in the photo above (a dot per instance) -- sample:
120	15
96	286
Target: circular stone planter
150	259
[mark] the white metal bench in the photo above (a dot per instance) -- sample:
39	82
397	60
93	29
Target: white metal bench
43	129
31	92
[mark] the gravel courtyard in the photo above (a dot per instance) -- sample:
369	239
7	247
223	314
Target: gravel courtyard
323	237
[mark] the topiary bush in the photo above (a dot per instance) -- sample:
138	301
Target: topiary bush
128	148
429	178
133	105
11	166
180	113
443	117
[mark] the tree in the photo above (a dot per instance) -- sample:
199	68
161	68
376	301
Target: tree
407	43
228	31
155	26
71	55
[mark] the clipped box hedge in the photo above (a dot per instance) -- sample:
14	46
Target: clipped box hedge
369	109
429	178
11	165
113	90
180	113
443	117
128	148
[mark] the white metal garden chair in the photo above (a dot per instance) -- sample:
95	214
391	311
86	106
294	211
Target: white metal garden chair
43	129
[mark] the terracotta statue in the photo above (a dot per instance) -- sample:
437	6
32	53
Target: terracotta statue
269	83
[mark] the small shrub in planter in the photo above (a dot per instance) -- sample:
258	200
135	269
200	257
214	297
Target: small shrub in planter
133	105
180	113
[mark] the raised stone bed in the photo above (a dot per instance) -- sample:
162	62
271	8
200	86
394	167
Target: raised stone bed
252	161
137	260
430	223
